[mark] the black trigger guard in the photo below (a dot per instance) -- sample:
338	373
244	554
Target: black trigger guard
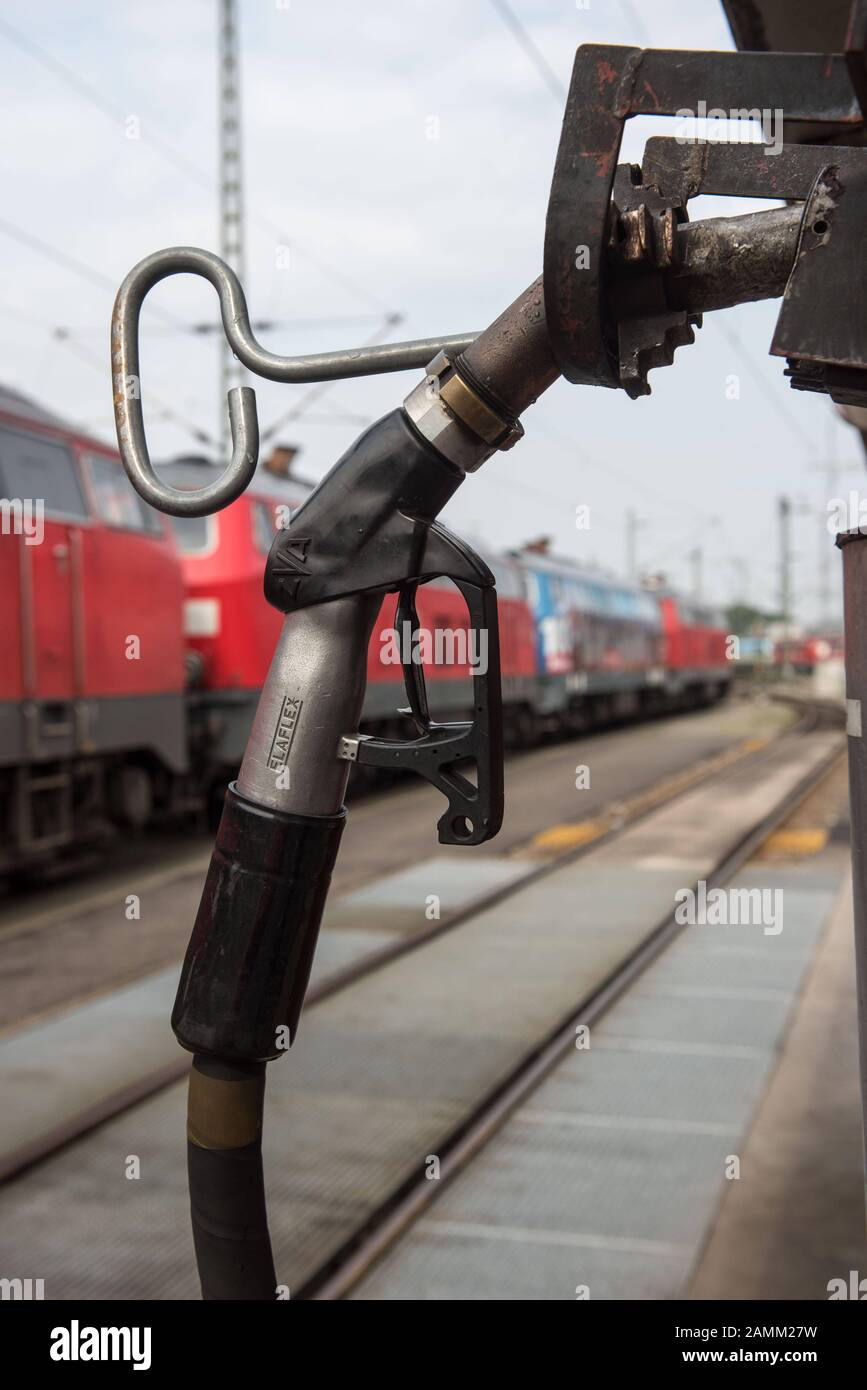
475	813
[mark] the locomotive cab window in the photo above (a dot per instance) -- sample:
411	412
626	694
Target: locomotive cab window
195	535
41	470
117	502
509	578
264	525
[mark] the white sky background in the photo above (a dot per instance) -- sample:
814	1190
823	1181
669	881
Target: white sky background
336	99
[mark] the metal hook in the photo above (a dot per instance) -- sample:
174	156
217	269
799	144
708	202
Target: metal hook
321	366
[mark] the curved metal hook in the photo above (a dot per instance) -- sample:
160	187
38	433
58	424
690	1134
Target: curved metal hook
322	366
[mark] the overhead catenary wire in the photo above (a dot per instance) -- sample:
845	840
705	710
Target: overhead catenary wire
165	411
63	259
663	501
90	94
109	108
171	323
635	22
318	389
738	345
94	276
532	50
260	325
65	340
63	73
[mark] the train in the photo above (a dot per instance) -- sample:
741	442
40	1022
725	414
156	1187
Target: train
802	654
136	643
799	654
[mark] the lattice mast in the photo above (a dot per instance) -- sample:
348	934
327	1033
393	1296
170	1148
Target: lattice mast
231	183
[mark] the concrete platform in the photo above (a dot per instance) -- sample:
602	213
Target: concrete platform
796	1219
382	1071
68	1071
605	1183
64	944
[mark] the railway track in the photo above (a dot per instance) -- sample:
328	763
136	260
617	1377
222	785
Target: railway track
399	1205
541	858
411	1199
94	948
606	826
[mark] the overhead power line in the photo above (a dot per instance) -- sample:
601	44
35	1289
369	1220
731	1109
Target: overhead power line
533	52
737	343
166	411
62	258
53	253
635	22
319	388
87	92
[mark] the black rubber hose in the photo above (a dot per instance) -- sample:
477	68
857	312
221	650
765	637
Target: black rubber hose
227	1186
238	1004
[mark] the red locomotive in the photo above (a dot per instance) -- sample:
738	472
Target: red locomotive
137	644
93	721
804	654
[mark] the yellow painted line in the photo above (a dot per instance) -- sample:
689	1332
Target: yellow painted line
566	836
795	842
559	839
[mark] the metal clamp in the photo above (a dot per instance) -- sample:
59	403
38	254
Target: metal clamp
610	85
454	416
320	366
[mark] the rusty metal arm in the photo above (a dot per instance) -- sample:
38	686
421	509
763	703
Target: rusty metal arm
733	260
718	263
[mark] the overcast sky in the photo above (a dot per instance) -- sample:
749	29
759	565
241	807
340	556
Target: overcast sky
381	218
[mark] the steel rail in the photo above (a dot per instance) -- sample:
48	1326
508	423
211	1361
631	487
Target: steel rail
142	1088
